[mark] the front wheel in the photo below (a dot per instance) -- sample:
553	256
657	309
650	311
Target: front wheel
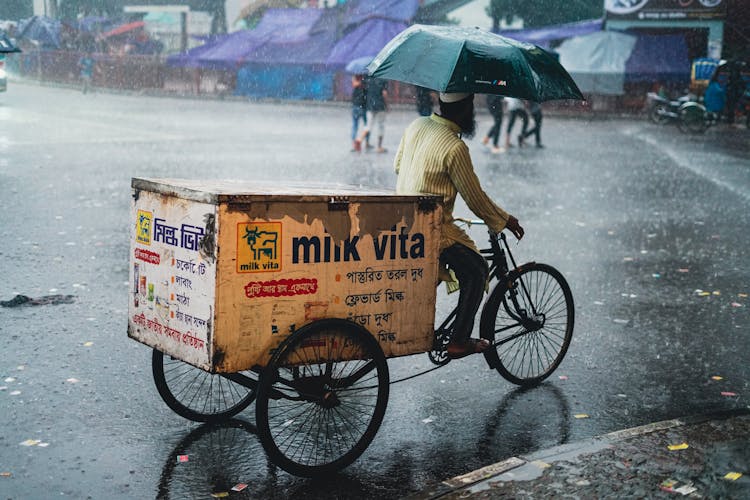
658	114
322	398
196	394
529	319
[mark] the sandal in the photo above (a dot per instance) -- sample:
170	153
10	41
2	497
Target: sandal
458	350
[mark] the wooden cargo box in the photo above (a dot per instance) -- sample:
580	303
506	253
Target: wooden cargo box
222	271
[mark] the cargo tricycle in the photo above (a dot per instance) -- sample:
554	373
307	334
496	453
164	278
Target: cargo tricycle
296	298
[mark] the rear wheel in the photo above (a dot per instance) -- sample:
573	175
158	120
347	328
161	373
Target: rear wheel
692	118
529	319
197	394
322	398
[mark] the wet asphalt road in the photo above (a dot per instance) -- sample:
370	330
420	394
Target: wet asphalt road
638	217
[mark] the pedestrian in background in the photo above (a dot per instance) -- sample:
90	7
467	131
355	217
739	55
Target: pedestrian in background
359	111
495	107
86	68
515	110
424	101
377	107
536	113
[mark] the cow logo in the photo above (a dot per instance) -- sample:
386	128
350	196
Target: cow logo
143	227
258	247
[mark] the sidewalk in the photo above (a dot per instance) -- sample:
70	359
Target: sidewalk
696	457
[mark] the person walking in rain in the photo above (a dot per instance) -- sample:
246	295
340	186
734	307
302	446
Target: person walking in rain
432	157
495	107
377	107
359	102
536	113
86	68
515	110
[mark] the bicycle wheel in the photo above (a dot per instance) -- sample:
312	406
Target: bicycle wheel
322	398
197	394
529	319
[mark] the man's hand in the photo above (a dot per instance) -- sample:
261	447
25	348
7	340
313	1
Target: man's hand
514	227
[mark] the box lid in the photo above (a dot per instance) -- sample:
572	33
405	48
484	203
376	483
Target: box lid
245	191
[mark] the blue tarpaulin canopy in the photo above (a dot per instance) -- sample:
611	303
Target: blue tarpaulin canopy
41	29
394	10
366	40
544	36
601	63
278	26
661	58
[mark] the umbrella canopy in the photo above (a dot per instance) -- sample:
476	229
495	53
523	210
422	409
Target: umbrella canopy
6	45
125	28
455	59
358	66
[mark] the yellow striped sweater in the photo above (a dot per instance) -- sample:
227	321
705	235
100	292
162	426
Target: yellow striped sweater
432	158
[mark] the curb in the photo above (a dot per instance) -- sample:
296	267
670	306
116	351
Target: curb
530	466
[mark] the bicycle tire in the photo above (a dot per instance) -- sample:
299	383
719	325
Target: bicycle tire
331	422
541	346
196	394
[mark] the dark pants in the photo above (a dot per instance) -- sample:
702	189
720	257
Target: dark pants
494	132
471	270
512	120
537	130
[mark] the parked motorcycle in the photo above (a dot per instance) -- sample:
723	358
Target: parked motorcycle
662	110
690	115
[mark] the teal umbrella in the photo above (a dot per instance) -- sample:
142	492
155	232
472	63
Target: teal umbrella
455	59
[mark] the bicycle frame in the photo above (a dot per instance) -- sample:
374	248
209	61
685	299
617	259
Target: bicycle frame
497	257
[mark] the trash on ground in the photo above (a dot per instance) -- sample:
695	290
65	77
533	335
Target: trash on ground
563	377
736	304
239	487
182	458
728	394
540	464
72	380
656	275
88	344
30	442
5	474
429	419
675	447
15	393
220	494
717	377
620	321
10	379
683	270
23	300
732	476
581	415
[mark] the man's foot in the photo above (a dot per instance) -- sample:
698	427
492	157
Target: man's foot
368	146
382	150
486	140
520	141
540	145
497	150
457	349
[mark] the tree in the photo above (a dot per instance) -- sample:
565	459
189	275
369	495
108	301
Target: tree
543	12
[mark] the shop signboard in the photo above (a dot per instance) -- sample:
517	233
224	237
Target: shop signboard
660	10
